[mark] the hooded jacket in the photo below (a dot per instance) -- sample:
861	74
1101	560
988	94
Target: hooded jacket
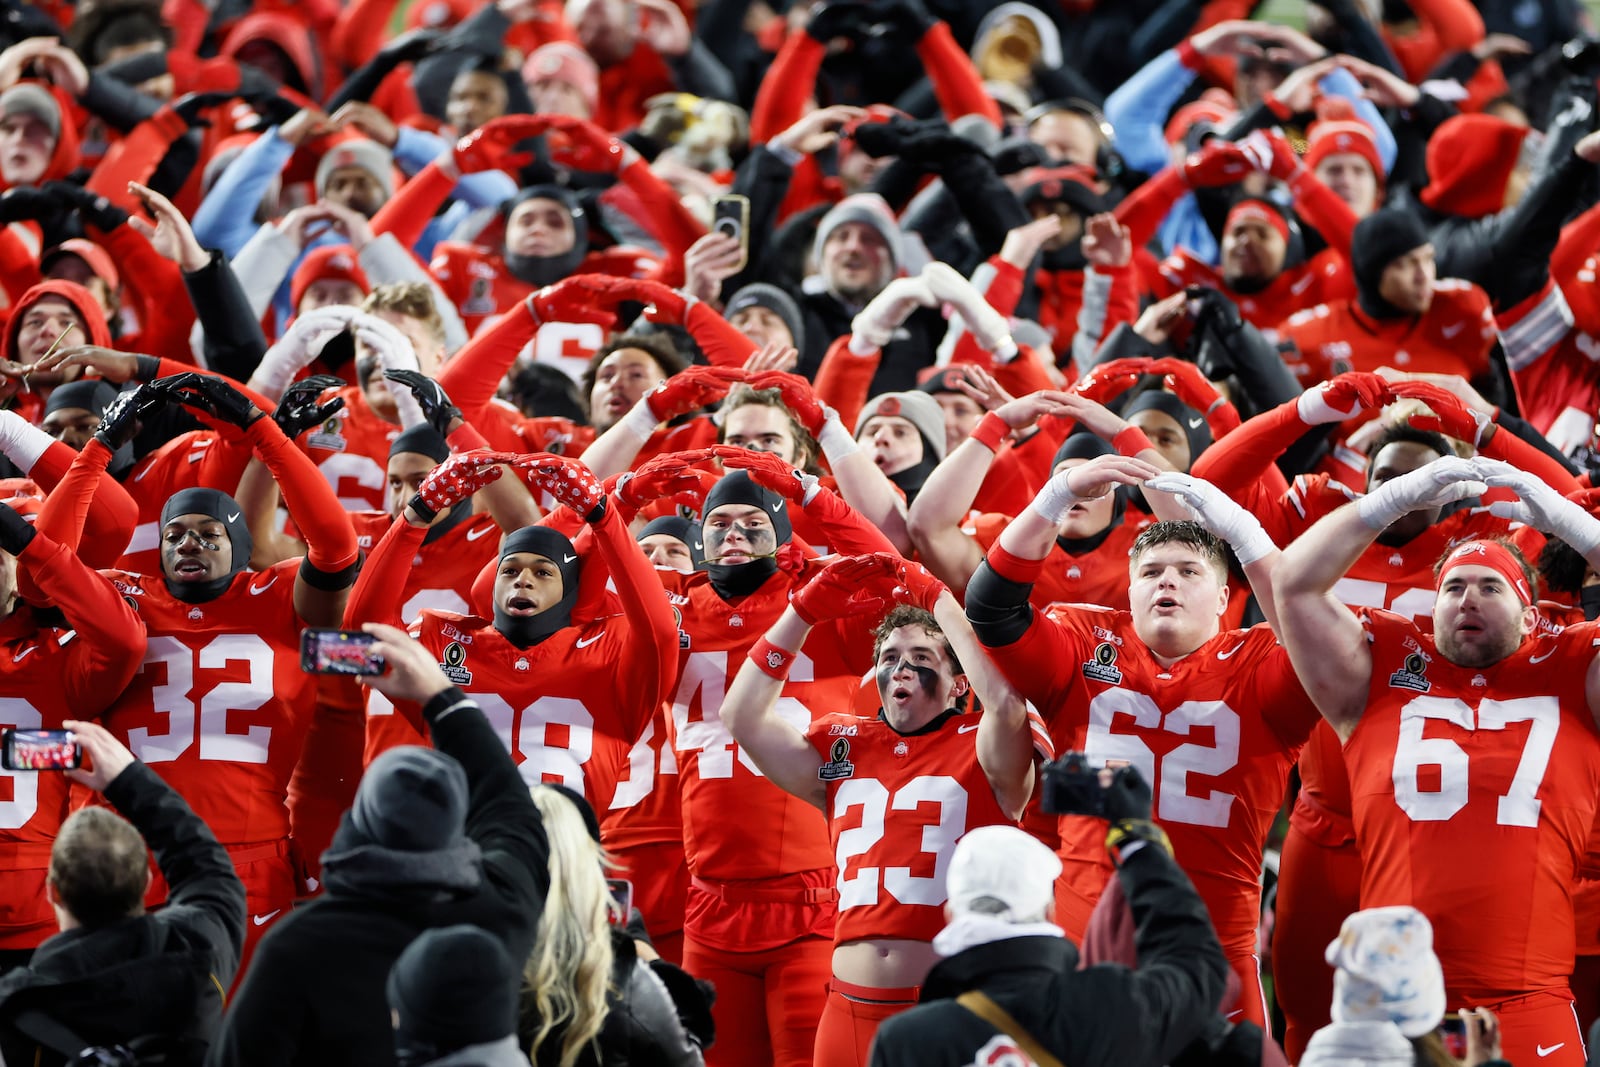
64	160
82	301
157	974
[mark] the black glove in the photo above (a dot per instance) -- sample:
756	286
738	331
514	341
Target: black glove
189	106
25	202
298	410
930	143
16	533
1017	154
436	404
910	20
836	18
1216	324
91	206
412	45
1127	805
123	416
209	394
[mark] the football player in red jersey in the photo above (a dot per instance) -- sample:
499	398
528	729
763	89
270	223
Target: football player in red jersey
1214	719
220	707
898	789
760	915
1473	751
49	673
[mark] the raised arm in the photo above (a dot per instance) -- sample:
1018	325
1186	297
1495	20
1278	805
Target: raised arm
750	711
1324	640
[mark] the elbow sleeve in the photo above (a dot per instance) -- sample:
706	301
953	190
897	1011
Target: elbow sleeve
997	607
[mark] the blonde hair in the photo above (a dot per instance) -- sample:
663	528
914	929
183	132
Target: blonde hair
570	969
412	299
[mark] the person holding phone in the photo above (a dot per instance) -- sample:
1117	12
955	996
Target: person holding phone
170	966
49	672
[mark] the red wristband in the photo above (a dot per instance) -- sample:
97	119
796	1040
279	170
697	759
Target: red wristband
1131	441
1189	55
991	432
1279	109
771	660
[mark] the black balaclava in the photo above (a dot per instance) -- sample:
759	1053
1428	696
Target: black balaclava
547	270
1066	185
91	394
224	509
683	530
912	479
1191	422
1085	445
1380	239
424	440
741	579
524	631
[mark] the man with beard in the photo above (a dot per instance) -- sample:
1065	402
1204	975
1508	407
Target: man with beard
547	234
221	707
1477	740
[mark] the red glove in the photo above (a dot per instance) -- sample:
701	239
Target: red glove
573	300
919	586
1217	164
672	474
1587	499
798	397
1364	390
667	304
569	481
585	147
1187	383
850	585
1109	379
456	479
692	388
1450	416
771	472
1272	148
489	146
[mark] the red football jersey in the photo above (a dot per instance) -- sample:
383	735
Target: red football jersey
775	833
351	449
48	675
1098	576
220	707
897	805
1454	336
197	459
1475	791
1215	734
1323	278
569	709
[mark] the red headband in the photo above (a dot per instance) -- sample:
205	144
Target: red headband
1259	212
1489	554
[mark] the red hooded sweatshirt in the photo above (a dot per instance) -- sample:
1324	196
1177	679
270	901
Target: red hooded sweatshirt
30	404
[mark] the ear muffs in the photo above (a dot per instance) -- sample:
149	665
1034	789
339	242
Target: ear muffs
1106	159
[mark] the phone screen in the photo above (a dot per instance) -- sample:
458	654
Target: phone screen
346	652
621	899
40	750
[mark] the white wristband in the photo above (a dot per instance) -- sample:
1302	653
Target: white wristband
1054	500
836	441
640	420
1252	545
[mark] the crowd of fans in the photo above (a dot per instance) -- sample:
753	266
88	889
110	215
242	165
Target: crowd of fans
886	531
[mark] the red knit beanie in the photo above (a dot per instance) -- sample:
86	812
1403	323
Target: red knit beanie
1338	130
328	263
1470	160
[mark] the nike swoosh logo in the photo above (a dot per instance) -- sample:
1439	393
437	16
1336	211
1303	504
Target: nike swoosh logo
1449	332
1231	651
1543	1052
1194	424
566	558
966	729
585	642
473	535
1541	659
257	590
262	920
234	517
20	656
777	507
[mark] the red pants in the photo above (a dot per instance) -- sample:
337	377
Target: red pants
1540	1028
768	1003
324	783
660	877
1318	886
270	887
852	1017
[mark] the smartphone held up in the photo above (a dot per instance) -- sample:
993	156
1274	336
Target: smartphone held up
40	750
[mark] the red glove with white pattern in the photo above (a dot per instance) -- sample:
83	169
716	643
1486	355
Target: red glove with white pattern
456	479
569	481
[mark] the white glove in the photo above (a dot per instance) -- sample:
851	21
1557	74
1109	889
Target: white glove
989	328
1539	506
1438	483
835	440
872	328
394	352
1213	509
299	345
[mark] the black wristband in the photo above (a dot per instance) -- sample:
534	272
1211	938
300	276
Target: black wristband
330	581
424	512
146	368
